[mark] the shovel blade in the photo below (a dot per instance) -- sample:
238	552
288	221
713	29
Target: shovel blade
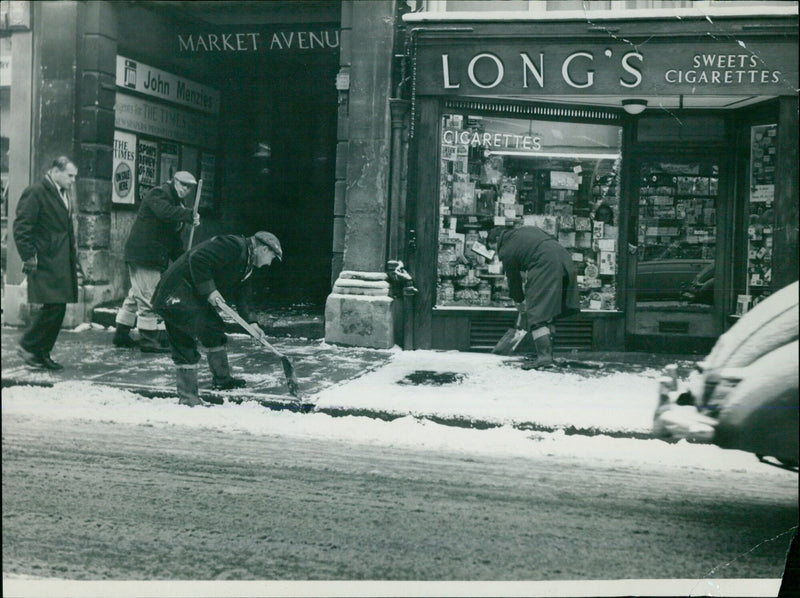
509	341
291	377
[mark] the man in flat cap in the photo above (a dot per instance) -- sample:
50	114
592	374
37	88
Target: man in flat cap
187	298
154	240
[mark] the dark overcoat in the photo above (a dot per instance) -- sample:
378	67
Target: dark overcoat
221	263
155	237
550	289
43	229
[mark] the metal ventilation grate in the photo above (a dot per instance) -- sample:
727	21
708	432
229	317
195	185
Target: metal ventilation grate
485	331
531	110
573	334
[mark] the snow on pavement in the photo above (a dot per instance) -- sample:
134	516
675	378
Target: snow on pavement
102	405
491	389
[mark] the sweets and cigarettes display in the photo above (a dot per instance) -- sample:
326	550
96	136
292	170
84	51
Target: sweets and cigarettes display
498	172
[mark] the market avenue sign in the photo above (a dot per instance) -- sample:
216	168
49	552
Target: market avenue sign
250	41
651	68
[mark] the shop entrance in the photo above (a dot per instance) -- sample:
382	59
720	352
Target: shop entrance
278	133
678	207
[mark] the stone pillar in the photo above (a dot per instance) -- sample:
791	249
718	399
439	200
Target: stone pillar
358	316
15	300
97	54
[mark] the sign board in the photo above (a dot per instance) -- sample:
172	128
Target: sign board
519	67
258	40
123	188
146	166
159	120
145	79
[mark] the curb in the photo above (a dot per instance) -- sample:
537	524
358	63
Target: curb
280	403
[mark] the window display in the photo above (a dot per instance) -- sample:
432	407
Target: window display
562	177
677	231
760	215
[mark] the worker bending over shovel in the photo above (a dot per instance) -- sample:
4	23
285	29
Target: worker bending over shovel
550	290
193	290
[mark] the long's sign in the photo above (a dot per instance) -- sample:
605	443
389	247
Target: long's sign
651	68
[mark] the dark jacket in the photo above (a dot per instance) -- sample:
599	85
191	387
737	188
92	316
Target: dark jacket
155	237
43	229
221	263
551	289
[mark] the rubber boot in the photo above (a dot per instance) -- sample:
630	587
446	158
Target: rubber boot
122	336
221	370
186	378
544	349
151	343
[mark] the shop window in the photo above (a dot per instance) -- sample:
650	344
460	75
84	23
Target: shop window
562	177
760	215
677	232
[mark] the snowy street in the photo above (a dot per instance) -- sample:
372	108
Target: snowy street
100	483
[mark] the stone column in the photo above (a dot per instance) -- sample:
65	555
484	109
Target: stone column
359	311
15	300
97	52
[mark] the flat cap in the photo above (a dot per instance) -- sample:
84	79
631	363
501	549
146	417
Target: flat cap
184	177
270	241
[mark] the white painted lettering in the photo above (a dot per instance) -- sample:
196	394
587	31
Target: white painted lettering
446	73
527	65
471	70
568	78
629	68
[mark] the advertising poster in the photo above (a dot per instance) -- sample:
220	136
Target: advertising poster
168	163
146	166
124	163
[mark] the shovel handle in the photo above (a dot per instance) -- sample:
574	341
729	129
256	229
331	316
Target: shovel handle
228	310
194	211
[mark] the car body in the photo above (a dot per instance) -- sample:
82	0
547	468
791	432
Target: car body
744	395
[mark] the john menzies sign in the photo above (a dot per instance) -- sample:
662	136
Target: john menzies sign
652	68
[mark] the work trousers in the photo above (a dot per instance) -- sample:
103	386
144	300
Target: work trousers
42	332
137	308
186	325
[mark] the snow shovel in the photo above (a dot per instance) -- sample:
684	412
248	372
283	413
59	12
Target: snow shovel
288	368
509	342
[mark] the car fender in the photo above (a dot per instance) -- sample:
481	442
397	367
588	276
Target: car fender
760	414
769	325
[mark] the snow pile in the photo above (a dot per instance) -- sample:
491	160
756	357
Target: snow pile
99	405
494	390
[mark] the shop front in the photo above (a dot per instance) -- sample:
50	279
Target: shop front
661	154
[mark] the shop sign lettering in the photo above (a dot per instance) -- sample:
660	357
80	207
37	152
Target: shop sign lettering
575	70
492	141
648	68
159	120
154	82
258	41
723	69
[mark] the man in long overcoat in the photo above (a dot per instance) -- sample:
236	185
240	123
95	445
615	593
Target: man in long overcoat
550	288
45	240
188	295
154	240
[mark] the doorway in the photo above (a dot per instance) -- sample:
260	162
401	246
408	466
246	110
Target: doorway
278	129
678	209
